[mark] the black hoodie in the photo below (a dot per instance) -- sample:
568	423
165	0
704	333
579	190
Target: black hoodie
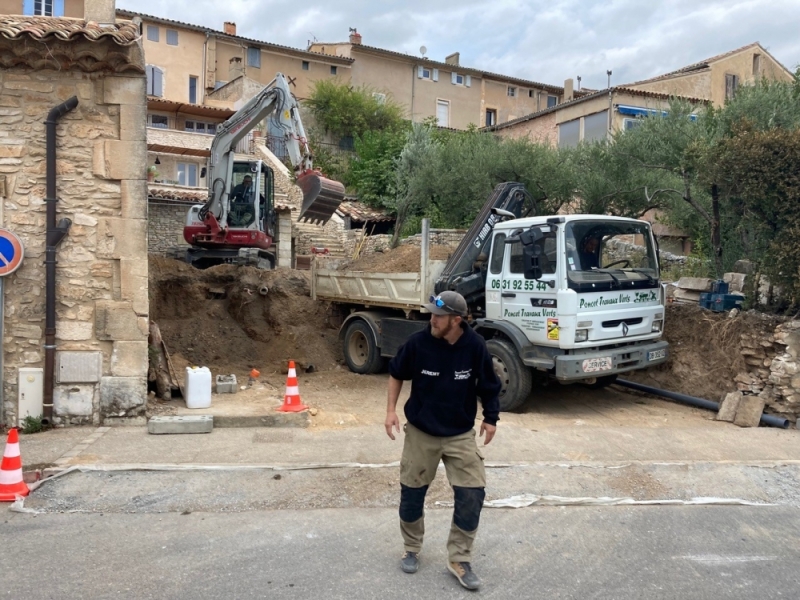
446	381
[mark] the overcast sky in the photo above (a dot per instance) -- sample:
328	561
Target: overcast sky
540	40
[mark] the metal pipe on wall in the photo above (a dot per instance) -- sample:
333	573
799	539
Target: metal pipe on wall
54	235
766	419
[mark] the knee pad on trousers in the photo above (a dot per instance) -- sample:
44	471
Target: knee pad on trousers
412	503
468	504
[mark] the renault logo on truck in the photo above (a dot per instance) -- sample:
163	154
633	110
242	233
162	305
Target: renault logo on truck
624	329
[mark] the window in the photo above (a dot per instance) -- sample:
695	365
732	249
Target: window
187	174
731	83
155	81
595	127
498	252
569	134
512	91
333	70
530	93
552	101
152	33
426	73
305	65
443	113
192	89
43	8
547	255
756	66
200	127
158	121
631	123
254	57
172	37
491	117
459	79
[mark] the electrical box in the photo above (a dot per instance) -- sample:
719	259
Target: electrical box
31	389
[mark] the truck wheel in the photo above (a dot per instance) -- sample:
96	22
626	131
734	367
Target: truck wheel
601	382
515	378
361	352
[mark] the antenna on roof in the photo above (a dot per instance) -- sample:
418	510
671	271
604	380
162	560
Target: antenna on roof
422	50
579	82
609	78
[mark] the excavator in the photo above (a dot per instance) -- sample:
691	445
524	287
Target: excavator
237	224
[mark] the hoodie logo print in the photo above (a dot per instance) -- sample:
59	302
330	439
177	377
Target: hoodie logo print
461	375
431	373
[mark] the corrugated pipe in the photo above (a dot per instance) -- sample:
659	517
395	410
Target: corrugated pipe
770	420
55	234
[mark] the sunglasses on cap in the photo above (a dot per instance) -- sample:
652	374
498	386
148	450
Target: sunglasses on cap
439	303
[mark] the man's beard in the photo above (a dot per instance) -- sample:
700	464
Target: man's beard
443	331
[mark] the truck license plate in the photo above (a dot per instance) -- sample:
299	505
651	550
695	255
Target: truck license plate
656	354
591	365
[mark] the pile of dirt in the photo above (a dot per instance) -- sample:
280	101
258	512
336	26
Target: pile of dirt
219	319
403	259
705	350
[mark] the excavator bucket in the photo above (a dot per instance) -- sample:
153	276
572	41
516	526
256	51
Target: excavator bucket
321	197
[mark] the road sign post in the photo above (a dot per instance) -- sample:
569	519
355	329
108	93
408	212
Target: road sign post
11	254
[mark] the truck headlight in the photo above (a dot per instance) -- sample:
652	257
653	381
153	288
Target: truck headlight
657	325
581	335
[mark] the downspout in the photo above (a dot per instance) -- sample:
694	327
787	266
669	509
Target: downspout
413	83
55	234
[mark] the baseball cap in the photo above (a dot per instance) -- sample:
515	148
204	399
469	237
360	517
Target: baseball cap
447	303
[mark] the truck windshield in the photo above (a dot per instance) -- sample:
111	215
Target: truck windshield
606	255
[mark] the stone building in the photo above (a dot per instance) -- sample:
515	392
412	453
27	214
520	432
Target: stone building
101	300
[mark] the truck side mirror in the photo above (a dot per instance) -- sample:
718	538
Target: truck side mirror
531	267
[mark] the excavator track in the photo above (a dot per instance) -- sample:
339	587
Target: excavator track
321	197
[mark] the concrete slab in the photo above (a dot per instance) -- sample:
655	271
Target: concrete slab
276	419
181	424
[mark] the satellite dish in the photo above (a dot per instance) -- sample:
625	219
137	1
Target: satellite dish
422	50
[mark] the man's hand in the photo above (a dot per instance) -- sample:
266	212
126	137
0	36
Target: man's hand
488	429
392	422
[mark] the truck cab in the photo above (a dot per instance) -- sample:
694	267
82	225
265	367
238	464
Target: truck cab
578	296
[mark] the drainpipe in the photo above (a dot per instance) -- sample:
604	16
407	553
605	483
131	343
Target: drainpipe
55	234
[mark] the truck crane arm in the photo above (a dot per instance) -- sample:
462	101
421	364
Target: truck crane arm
321	196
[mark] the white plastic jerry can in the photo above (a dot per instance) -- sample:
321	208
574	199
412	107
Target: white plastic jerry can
198	387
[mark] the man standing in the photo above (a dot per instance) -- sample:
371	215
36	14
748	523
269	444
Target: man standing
449	368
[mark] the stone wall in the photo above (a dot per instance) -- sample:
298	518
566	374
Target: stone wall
773	369
165	223
101	283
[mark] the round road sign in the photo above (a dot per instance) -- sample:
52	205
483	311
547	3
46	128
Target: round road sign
11	252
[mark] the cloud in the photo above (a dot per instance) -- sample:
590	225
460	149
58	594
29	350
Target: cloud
541	40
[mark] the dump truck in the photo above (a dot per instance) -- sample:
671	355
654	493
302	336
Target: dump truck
576	298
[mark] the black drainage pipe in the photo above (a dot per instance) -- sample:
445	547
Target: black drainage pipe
55	233
766	419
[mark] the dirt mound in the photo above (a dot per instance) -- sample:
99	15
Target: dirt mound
705	351
218	318
399	260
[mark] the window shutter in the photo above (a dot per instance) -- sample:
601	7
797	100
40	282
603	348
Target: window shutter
419	69
58	8
436	74
468	81
453	77
158	82
27	7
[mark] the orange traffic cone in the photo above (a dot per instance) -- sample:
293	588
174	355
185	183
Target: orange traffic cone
291	401
11	483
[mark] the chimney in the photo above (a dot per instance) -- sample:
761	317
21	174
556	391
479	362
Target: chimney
235	68
355	37
102	12
569	93
453	58
230	28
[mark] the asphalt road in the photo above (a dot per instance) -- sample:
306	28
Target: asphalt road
582	553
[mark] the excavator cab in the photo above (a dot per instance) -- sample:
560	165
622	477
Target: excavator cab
252	197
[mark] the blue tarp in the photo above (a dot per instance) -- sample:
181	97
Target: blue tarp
637	111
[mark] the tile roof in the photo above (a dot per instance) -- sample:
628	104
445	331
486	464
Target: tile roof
619	88
703	64
130	14
178	195
358	211
448	66
16	27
